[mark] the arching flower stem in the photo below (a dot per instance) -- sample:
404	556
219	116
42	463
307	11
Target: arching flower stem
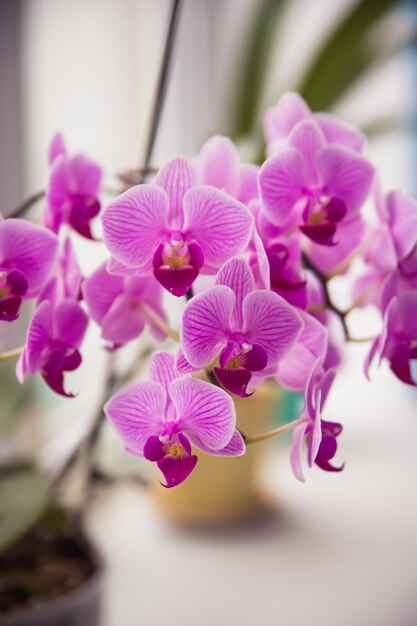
274	432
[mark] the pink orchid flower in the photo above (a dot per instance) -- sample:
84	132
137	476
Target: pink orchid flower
392	252
72	192
27	255
116	304
219	166
250	329
315	186
291	109
319	434
160	419
174	228
398	341
52	345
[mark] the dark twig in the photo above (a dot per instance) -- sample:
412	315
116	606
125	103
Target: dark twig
162	82
27	204
327	299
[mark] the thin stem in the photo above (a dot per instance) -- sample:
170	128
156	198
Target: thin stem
11	354
162	82
273	433
189	294
25	206
327	299
160	322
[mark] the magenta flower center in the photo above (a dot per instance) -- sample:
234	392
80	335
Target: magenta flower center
321	215
177	264
13	285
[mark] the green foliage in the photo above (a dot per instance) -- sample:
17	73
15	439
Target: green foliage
24	498
344	56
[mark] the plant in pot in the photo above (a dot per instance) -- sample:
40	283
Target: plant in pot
268	241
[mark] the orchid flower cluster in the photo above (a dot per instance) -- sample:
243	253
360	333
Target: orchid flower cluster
268	240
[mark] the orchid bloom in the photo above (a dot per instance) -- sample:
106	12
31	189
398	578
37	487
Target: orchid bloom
118	305
174	228
73	190
391	253
319	434
160	419
291	109
52	345
249	329
294	370
219	166
27	254
66	278
315	186
398	341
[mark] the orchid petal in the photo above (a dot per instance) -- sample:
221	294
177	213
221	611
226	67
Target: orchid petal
339	132
122	322
176	177
137	413
205	324
56	148
402	210
236	275
70	322
100	290
296	450
345	174
235	447
279	120
134	223
163	370
176	470
204	411
271	322
29	249
219	164
281	181
38	335
308	139
220	224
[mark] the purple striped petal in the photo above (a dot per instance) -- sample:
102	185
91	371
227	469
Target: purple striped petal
235	447
134	224
137	413
220	224
163	370
182	365
346	175
204	411
236	274
205	324
176	177
279	120
271	322
281	182
122	322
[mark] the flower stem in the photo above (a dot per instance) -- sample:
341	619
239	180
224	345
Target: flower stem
25	206
162	82
11	354
274	432
160	322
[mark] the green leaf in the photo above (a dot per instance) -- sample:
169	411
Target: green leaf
344	56
255	66
24	497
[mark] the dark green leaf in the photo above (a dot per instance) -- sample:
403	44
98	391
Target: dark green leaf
255	65
344	56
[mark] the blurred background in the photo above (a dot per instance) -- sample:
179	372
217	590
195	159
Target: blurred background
341	549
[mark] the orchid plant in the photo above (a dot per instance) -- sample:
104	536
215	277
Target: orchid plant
268	240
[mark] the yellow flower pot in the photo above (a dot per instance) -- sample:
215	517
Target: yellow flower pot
223	489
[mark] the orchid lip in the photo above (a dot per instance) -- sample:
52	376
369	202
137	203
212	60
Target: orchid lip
177	264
